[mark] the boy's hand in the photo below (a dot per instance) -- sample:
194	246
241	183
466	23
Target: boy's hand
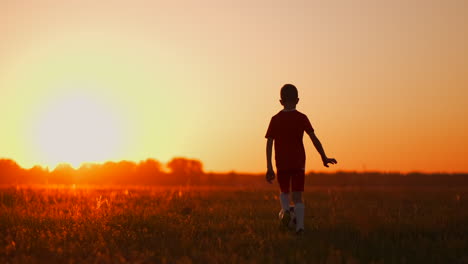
327	160
270	175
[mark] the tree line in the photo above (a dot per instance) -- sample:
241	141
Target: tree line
184	171
150	171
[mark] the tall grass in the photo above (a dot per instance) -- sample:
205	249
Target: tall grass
73	224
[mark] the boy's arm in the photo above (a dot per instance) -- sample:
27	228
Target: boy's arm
270	175
320	150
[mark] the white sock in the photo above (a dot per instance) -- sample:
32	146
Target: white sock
299	210
284	200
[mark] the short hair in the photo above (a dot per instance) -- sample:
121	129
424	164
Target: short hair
289	92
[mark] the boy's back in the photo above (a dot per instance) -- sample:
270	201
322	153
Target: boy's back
287	129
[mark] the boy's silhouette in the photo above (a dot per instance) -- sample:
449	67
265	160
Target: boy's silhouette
286	130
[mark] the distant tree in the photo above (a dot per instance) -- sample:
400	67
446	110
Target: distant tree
10	171
188	170
63	174
148	171
37	174
90	173
122	172
150	166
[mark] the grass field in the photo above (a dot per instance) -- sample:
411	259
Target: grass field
231	225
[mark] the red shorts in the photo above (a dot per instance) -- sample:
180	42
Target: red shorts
294	178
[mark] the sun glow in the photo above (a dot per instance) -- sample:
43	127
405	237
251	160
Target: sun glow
77	128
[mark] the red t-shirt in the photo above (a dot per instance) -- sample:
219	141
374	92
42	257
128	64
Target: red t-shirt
287	129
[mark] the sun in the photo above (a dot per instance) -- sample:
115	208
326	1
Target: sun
77	128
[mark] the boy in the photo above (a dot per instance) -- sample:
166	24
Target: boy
286	130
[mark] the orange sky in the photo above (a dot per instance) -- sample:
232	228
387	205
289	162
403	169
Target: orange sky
384	83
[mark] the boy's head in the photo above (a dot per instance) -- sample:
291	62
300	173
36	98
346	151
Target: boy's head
289	95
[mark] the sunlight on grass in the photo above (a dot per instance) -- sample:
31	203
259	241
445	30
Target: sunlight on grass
230	225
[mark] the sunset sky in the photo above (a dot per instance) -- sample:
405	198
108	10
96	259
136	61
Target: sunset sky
384	83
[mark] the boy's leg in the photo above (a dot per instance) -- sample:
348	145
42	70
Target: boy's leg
284	179
284	200
285	214
297	181
299	210
297	197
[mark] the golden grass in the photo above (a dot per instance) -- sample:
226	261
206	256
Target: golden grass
92	224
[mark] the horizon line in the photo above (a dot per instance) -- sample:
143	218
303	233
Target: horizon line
312	171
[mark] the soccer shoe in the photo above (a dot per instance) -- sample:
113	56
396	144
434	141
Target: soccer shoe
285	218
300	232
